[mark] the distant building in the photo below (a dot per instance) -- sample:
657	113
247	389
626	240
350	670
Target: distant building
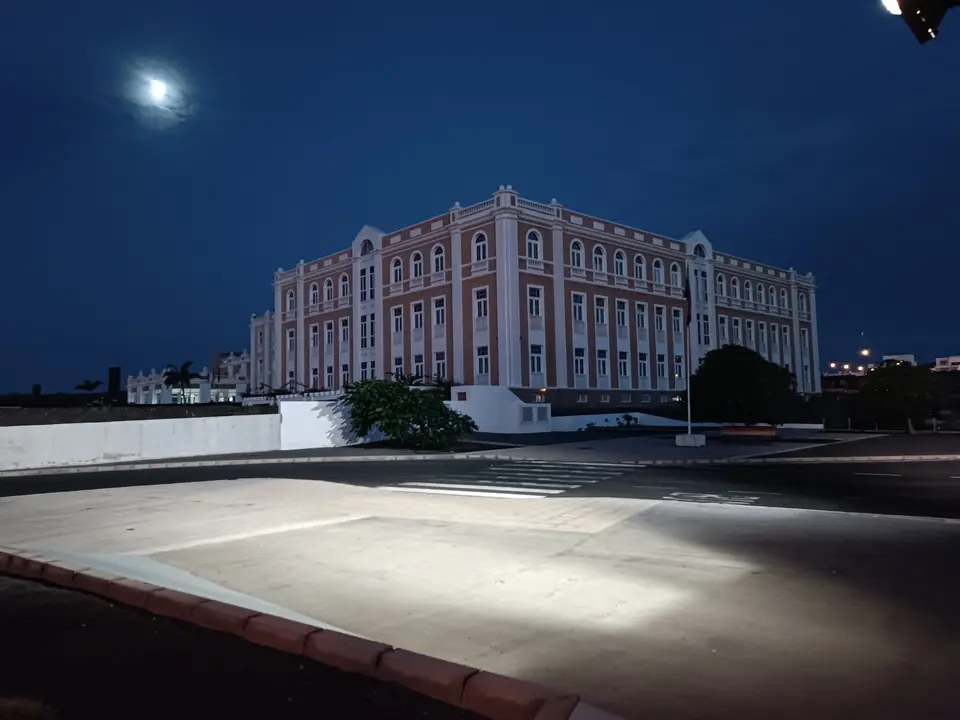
912	359
947	364
227	382
529	295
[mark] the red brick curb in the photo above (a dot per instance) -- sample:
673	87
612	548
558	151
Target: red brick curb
493	696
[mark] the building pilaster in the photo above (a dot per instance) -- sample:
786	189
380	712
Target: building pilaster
508	288
814	336
795	341
278	339
560	306
458	362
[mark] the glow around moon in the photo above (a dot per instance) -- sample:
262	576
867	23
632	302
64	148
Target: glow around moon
158	93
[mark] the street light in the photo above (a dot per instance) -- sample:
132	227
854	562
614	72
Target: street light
859	368
846	366
833	366
865	352
923	17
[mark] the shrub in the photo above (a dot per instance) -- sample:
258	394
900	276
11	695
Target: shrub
416	419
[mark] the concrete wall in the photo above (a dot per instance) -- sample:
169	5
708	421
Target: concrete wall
34	446
306	424
496	409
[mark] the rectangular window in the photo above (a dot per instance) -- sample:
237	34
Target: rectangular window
623	364
762	333
661	366
724	337
736	331
774	329
600	305
481	303
418	365
642	368
533	301
373	368
748	327
483	360
398	367
260	338
315	378
579	300
621	313
439	312
291	340
398	319
659	321
329	377
363	284
363	371
706	330
344	375
363	332
373	330
344	332
328	329
440	365
373	287
601	363
641	316
804	339
579	361
536	359
678	366
314	336
417	315
677	320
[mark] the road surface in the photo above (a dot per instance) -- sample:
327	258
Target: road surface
925	489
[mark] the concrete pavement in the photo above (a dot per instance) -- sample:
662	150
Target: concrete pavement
650	608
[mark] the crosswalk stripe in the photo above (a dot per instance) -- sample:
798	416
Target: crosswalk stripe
464	493
555	481
477	486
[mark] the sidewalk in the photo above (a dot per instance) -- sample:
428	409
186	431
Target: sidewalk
86	658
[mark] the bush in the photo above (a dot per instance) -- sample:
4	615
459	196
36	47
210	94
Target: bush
416	419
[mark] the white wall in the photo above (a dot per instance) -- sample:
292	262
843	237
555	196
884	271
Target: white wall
34	446
497	410
313	423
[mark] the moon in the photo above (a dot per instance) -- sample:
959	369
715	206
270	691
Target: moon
158	90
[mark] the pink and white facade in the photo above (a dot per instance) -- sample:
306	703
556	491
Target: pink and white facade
530	296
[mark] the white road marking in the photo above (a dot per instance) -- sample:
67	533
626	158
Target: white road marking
879	474
476	486
434	491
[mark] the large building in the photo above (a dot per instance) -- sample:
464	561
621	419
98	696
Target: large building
530	296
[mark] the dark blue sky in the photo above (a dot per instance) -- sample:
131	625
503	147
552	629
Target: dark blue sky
823	139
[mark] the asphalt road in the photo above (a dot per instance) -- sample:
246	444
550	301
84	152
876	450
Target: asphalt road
921	444
926	489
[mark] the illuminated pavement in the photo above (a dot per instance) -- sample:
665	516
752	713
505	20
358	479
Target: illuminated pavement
649	608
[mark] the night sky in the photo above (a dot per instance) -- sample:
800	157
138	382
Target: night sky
807	135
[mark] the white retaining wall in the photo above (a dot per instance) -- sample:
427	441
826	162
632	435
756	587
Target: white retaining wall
497	410
306	424
35	446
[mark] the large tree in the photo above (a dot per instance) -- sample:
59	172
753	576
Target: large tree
180	377
734	384
899	391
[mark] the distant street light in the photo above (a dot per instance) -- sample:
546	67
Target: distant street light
846	366
859	368
833	366
865	352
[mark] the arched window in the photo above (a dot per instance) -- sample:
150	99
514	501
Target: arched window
576	254
439	260
314	294
773	296
700	251
658	272
675	275
619	264
328	289
344	286
748	291
803	302
721	286
291	300
599	259
734	288
783	298
639	267
416	265
761	298
397	270
366	247
533	246
480	248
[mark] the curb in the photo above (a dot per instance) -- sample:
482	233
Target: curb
754	460
493	696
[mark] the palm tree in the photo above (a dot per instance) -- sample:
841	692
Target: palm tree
180	377
89	385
